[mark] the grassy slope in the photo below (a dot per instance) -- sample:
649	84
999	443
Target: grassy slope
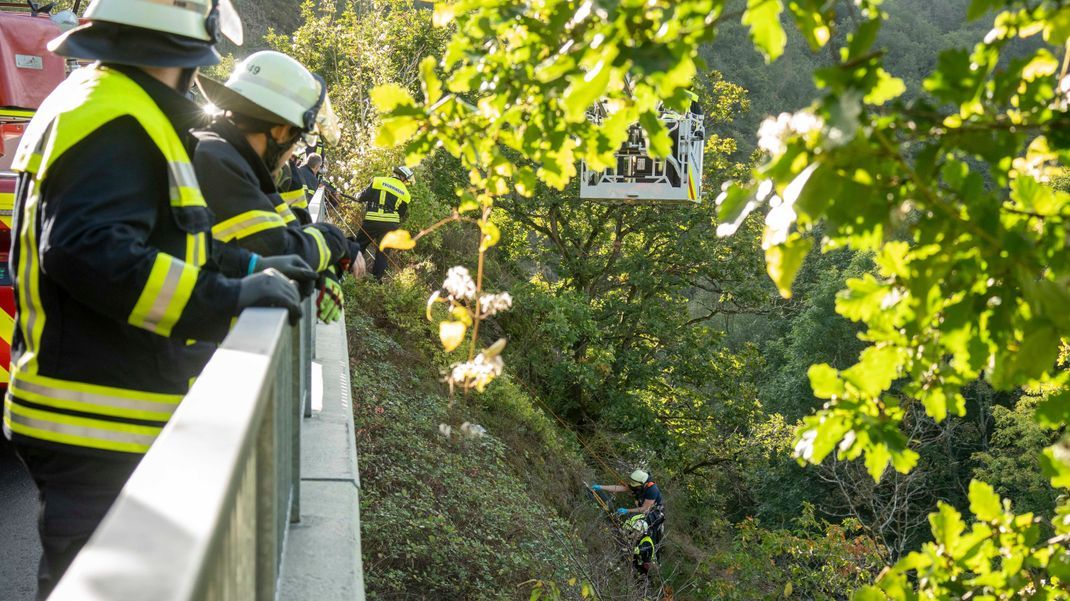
451	518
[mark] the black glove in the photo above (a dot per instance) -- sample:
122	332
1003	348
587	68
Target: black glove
293	267
270	289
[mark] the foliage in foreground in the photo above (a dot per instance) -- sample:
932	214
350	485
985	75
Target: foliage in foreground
950	193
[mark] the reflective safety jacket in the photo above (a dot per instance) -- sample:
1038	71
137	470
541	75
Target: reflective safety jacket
387	199
241	193
113	267
294	192
643	554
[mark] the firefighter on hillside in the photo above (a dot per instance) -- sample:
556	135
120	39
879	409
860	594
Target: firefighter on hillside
637	532
271	104
114	266
648	501
387	202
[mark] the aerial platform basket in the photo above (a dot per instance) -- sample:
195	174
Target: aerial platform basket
642	180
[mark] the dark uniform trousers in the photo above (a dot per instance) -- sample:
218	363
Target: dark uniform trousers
373	232
76	492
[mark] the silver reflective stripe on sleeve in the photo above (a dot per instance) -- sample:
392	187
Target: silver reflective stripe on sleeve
82	431
21	388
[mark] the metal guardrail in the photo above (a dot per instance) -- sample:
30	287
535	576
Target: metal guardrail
205	514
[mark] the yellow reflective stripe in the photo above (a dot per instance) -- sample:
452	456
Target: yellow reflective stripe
295	198
197	249
382	216
31	313
185	191
392	185
16	113
246	224
94	398
284	211
321	244
7	330
165	295
78	431
7	208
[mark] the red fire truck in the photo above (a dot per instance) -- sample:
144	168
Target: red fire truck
27	75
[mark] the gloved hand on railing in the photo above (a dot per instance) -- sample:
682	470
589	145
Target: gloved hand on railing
329	303
596	487
291	266
622	511
270	288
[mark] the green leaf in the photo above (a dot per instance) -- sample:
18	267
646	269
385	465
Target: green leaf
825	381
1038	351
656	133
763	18
1055	463
734	204
984	502
1059	565
1057	28
947	526
819	434
586	90
432	85
877	368
388	97
783	261
978	8
1054	411
812	23
868	593
525	182
887	88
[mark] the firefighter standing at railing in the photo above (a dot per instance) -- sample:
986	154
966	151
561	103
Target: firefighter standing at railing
386	202
272	104
114	266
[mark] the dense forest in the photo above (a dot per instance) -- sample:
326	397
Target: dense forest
640	337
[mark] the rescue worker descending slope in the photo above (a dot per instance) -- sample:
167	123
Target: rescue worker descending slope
271	104
648	502
637	533
115	270
387	201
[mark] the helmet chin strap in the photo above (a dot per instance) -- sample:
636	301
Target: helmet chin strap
185	80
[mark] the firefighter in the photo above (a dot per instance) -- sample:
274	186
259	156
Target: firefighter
648	501
113	263
637	532
387	202
271	104
309	171
293	191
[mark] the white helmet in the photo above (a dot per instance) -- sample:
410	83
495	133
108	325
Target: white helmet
155	33
404	173
275	88
197	19
639	477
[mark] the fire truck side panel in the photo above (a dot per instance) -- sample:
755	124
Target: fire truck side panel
29	72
